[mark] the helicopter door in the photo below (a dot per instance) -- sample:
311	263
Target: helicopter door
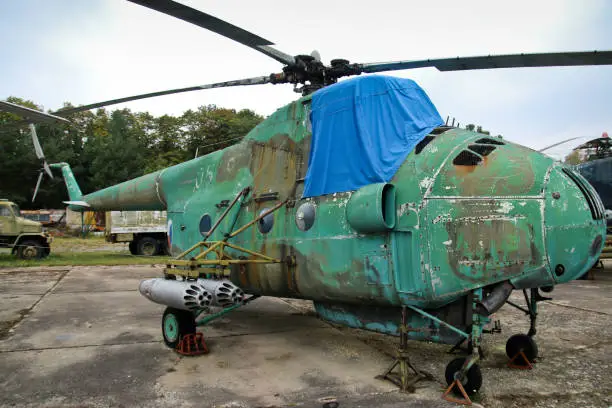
273	169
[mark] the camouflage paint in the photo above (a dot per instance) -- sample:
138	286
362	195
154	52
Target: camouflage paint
458	227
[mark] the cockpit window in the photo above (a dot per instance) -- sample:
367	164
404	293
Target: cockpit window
482	150
467	158
421	145
486	140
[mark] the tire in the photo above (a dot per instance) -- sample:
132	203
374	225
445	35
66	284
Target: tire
29	249
163	247
473	378
524	343
176	324
132	247
46	251
147	246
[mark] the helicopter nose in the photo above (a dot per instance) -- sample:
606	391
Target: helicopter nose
575	224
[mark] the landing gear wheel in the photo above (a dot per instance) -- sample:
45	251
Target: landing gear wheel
29	250
146	246
524	343
472	380
176	324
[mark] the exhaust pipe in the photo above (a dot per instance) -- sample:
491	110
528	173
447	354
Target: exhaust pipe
496	298
191	295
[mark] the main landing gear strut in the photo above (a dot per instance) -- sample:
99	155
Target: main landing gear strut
463	374
179	328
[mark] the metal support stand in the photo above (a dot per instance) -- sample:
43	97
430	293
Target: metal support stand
520	361
192	345
402	379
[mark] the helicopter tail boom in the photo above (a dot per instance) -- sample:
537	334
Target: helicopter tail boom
142	193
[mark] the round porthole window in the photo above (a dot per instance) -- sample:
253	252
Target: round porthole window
266	223
205	224
305	216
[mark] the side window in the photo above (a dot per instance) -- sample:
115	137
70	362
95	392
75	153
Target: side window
5	212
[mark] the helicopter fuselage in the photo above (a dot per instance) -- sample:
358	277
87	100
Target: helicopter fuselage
465	210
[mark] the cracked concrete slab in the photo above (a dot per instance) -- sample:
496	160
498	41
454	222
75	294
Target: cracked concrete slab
114	278
90	339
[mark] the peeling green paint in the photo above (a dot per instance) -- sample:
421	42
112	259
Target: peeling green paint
457	227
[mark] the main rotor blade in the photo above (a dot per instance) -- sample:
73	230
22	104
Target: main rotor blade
31	115
240	82
40	176
557	144
37	149
498	61
214	24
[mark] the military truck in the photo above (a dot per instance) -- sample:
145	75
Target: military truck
144	230
24	237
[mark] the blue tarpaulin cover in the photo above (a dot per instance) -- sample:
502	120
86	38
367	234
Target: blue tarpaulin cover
363	129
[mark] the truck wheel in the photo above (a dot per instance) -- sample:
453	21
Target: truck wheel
29	250
163	247
46	251
146	246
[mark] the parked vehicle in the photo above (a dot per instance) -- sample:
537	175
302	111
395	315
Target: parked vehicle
24	237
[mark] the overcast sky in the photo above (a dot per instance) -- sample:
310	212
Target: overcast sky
80	51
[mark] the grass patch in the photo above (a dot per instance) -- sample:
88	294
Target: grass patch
82	258
79	251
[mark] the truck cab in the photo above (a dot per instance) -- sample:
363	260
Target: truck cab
24	237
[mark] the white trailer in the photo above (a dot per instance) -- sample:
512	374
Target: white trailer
146	231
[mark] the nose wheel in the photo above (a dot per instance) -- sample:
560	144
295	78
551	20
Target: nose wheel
522	348
522	351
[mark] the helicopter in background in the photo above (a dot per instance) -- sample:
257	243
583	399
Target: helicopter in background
593	160
358	197
597	169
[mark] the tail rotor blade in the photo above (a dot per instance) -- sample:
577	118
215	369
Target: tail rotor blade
48	169
40	176
37	148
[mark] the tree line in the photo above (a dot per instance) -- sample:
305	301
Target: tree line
108	147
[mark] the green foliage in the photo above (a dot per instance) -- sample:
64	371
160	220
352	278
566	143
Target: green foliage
106	148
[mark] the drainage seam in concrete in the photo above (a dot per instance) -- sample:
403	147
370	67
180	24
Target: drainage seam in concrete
94	291
78	346
144	342
578	308
31	308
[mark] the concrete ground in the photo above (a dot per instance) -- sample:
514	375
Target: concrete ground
84	337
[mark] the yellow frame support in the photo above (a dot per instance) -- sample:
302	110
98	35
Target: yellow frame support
199	264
